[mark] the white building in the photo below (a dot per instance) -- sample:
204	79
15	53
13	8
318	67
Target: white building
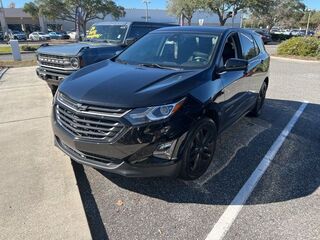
15	19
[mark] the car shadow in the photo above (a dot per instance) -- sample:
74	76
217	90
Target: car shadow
294	173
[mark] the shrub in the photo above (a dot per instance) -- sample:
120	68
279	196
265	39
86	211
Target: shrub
29	48
300	46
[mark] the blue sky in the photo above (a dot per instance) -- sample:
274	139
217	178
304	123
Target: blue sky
313	4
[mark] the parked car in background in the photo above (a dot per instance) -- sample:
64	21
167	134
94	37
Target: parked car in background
39	36
18	35
54	35
72	34
63	35
157	108
1	36
104	40
266	37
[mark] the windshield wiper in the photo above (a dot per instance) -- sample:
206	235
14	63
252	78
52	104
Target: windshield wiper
121	61
155	65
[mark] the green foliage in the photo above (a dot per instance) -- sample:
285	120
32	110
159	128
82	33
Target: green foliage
227	8
186	8
32	9
67	10
314	19
277	12
300	46
29	48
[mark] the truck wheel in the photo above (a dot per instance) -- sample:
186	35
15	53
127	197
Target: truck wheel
199	149
53	90
256	111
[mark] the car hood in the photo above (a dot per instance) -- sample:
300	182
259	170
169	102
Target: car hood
128	86
71	49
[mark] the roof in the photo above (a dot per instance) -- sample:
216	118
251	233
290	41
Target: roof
200	29
133	22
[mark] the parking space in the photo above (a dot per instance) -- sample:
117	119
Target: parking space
158	208
284	205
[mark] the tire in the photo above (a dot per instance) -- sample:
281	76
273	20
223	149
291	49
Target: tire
256	111
199	149
53	89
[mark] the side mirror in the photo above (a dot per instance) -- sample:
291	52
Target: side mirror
129	41
234	64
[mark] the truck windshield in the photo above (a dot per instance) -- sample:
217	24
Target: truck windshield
171	50
108	33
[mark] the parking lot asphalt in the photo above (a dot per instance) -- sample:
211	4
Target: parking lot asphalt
39	198
284	205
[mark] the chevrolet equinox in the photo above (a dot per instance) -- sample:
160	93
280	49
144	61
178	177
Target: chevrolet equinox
157	108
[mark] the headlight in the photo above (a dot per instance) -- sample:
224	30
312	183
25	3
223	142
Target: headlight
150	114
74	63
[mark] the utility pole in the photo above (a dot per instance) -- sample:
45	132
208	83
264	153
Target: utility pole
147	9
308	23
3	19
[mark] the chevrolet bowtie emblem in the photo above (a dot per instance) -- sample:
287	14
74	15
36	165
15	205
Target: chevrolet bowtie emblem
81	107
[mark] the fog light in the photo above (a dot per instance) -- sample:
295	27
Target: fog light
165	150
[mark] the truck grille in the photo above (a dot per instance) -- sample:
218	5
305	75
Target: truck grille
86	121
52	61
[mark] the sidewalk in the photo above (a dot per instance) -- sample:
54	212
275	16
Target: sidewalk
39	198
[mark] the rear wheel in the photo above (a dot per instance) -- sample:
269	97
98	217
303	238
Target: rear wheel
260	100
199	149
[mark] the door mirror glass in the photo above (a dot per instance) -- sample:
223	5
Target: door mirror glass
234	64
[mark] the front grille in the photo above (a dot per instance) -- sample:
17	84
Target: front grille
87	121
53	61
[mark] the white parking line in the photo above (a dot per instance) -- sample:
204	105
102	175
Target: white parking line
227	218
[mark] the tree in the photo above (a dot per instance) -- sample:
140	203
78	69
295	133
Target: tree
225	9
184	8
77	10
32	9
282	12
314	19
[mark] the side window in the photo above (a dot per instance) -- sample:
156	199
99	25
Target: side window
248	46
229	50
139	31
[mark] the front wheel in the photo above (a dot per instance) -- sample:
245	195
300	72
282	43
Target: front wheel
256	111
199	149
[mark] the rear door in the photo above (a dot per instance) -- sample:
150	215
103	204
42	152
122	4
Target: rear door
251	53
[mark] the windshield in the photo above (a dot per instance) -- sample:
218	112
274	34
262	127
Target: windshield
109	33
176	50
41	33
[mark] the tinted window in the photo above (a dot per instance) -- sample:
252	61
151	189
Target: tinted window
139	31
182	50
109	33
248	46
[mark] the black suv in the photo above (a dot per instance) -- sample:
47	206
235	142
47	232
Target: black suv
104	40
157	108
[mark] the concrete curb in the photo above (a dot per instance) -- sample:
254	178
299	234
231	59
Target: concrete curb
3	71
295	59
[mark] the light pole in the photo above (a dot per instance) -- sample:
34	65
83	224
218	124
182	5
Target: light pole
147	9
308	23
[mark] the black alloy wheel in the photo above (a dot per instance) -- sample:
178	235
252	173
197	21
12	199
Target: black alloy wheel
199	149
260	100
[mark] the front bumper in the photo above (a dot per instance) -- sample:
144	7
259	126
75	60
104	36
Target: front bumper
52	76
127	156
123	168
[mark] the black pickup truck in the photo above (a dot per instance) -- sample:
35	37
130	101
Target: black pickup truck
104	40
